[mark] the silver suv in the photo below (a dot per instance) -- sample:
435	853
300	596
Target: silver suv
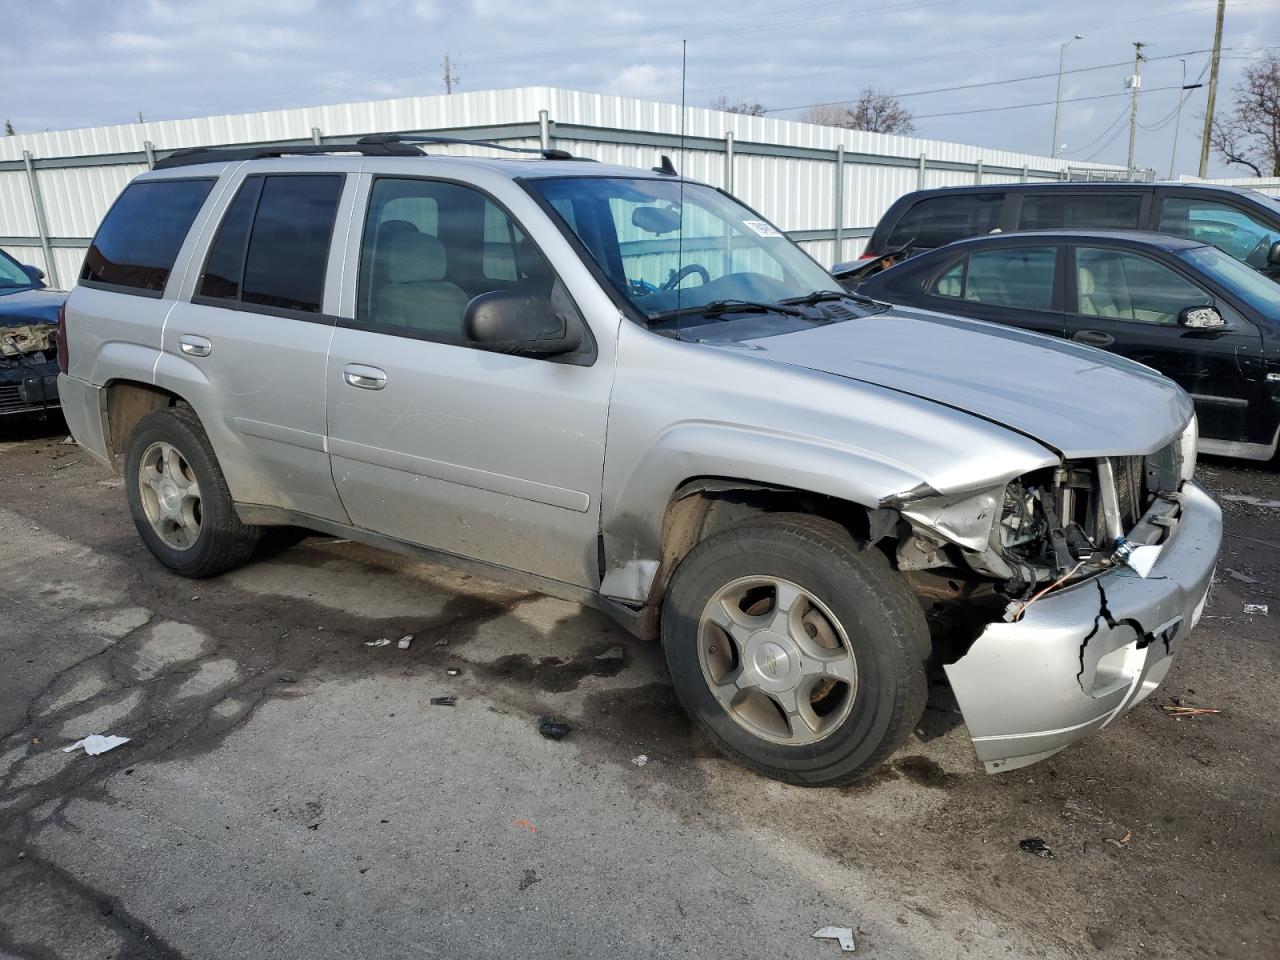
627	389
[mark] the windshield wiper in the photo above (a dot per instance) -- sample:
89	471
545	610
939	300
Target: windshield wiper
718	308
822	296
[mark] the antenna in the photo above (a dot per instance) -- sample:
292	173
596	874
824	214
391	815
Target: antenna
684	59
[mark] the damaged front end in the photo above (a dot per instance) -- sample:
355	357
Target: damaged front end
28	369
1062	597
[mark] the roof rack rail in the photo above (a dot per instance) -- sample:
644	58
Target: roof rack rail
194	155
390	138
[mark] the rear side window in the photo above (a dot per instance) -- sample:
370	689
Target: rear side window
272	247
1233	231
1099	211
1014	277
140	238
940	220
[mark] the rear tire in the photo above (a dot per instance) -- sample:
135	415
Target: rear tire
800	655
179	498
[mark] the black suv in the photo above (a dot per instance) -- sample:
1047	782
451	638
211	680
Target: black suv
1242	223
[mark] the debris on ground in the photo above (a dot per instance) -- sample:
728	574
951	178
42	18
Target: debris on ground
843	935
380	642
286	679
1120	842
69	441
1179	709
640	761
403	642
452	672
1242	577
552	728
442	642
1258	608
616	652
1036	847
96	744
444	701
524	824
529	879
69	463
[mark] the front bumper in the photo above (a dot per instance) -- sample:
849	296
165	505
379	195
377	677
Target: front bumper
1086	654
31	389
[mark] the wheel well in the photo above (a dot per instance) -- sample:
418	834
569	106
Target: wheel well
127	402
702	507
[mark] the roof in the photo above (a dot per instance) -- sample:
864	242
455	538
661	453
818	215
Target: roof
1160	241
1075	186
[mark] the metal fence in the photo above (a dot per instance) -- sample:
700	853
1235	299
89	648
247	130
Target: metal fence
826	187
1268	185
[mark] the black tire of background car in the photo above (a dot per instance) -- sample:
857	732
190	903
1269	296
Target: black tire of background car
881	617
224	542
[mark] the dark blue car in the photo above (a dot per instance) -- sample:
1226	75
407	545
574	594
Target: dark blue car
28	349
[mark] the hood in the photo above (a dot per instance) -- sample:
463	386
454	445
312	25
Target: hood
25	306
1080	401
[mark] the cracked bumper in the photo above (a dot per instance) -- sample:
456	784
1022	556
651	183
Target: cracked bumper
1031	688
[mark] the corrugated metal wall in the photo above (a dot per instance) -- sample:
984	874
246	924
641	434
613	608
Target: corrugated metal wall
1268	185
783	168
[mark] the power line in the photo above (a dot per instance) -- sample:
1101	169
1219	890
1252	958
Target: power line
1107	129
1040	103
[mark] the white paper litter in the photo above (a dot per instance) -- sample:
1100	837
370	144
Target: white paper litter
843	934
1260	608
640	761
382	642
96	744
1143	558
403	642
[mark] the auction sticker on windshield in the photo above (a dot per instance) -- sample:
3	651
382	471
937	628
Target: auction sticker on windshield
761	228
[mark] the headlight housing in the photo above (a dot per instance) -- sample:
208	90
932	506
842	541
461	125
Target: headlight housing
1187	448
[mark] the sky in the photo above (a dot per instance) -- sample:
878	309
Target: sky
75	63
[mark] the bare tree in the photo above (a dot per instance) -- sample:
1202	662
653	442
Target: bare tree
8	129
750	108
1250	134
874	110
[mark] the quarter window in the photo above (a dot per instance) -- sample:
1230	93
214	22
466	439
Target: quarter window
1012	277
139	240
430	247
1230	229
1102	210
940	220
1127	286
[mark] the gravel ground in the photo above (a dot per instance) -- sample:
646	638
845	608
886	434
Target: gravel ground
291	792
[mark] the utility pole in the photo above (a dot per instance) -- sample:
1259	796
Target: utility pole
1135	82
449	78
1057	104
1213	91
1182	98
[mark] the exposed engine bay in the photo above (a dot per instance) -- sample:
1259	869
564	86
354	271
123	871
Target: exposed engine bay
28	368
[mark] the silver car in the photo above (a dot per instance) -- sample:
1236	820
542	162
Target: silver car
627	389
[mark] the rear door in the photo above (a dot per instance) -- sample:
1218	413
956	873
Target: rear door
1128	302
939	220
1016	284
249	349
484	455
1065	208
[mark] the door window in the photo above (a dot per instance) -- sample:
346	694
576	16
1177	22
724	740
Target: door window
429	248
1010	277
1120	285
140	238
272	247
1230	229
940	220
1059	211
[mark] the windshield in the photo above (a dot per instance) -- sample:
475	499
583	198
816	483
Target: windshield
12	275
664	256
1249	285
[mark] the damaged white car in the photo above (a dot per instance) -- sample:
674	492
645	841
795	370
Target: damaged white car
630	390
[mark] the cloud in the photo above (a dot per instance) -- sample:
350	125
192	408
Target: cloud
135	41
645	80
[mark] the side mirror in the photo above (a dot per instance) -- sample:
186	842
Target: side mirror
1201	318
519	323
1273	255
37	275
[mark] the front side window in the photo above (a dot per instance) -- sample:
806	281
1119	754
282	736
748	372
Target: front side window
1233	231
12	276
272	246
937	221
666	251
1103	210
1250	286
430	247
1119	285
1019	277
138	242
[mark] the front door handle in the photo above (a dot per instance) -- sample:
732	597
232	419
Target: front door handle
1095	338
366	378
194	346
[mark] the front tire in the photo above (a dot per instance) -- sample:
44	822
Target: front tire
179	498
799	654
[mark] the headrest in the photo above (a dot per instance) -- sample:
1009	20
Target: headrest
415	257
1084	282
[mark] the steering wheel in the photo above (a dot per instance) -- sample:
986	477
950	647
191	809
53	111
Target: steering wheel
673	281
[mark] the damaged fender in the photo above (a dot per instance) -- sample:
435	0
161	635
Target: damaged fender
1086	654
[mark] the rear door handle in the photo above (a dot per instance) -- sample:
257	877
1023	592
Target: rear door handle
1095	338
366	378
194	346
